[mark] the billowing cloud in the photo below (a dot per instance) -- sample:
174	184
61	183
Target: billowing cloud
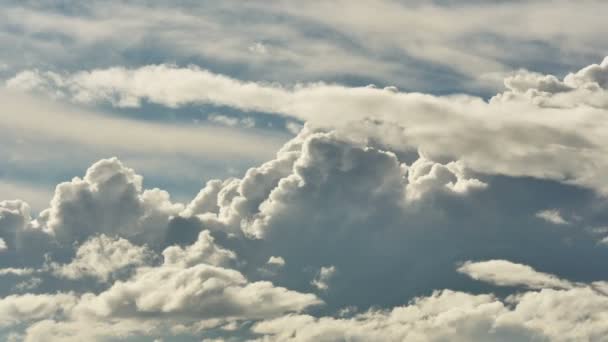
18	309
552	315
204	250
101	257
369	206
108	199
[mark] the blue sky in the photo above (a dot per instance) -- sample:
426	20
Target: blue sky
303	171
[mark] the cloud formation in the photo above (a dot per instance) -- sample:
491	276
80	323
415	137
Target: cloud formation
535	128
351	231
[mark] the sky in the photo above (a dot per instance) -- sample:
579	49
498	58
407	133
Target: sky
299	171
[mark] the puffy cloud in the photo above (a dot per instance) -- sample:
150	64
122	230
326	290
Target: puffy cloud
203	250
14	218
109	200
17	309
566	314
185	291
506	273
426	176
323	278
198	292
551	216
319	161
101	257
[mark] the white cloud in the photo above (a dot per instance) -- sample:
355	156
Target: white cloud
566	314
462	37
28	307
508	135
278	261
109	199
101	257
506	273
198	292
14	219
309	162
323	277
551	216
17	271
203	250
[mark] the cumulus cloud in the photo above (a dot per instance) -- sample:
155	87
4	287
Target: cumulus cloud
204	250
184	290
108	199
449	315
321	161
199	292
369	202
506	273
551	216
18	309
101	257
564	313
14	218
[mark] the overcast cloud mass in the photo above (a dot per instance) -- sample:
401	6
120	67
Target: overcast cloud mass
386	170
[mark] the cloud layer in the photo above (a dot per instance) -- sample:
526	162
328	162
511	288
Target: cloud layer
388	215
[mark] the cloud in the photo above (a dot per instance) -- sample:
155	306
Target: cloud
548	314
199	292
551	216
14	219
101	257
506	273
314	162
323	189
322	279
204	250
508	135
415	43
52	122
17	309
179	292
108	199
278	261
